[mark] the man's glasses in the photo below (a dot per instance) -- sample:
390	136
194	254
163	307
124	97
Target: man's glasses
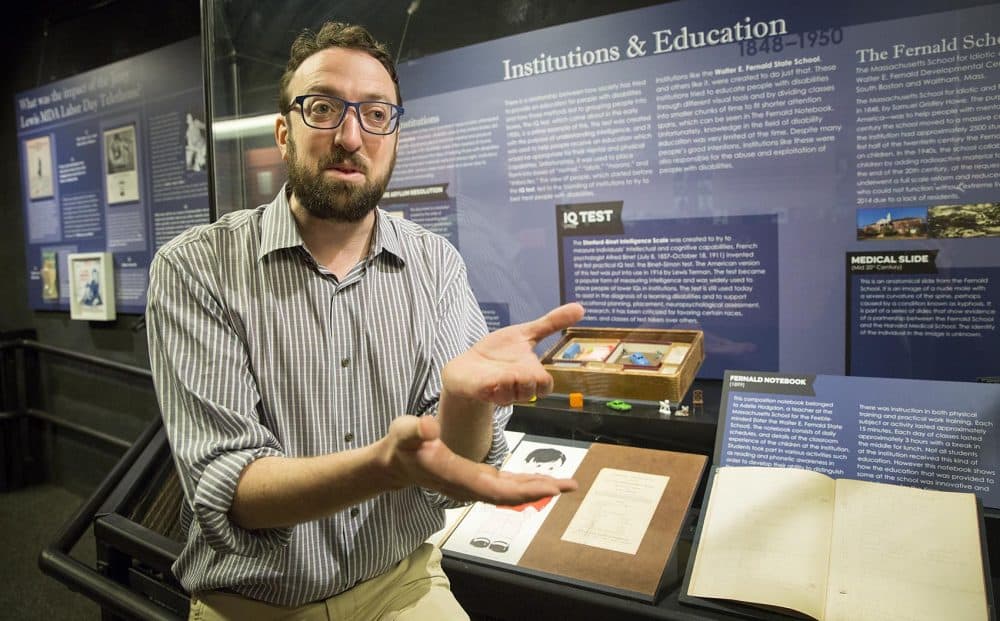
328	112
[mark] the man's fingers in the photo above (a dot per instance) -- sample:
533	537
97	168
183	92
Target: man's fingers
434	465
543	387
466	480
561	485
410	432
514	489
553	321
514	383
430	428
506	392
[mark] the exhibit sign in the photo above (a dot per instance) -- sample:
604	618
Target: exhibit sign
709	165
929	434
112	160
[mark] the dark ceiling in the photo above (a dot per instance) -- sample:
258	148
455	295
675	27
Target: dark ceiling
255	35
264	29
55	39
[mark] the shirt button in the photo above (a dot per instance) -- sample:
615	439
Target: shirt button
345	361
348	437
355	511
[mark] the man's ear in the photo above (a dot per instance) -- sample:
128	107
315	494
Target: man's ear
281	135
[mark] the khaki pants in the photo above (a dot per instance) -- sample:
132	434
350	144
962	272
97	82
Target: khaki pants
415	590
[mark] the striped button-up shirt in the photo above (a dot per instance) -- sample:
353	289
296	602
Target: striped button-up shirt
257	350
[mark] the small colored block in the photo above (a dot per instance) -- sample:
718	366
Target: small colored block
576	399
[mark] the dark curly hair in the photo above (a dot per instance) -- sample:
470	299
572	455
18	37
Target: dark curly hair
333	34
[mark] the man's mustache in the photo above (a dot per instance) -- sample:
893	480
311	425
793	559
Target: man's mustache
343	158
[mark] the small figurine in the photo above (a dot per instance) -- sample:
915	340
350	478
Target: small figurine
639	358
683	411
665	406
619	406
698	402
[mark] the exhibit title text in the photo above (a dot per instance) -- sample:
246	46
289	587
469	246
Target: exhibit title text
945	45
84	97
666	40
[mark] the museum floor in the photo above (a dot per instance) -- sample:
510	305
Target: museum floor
30	519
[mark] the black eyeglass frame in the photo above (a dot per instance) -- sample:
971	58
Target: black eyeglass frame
395	118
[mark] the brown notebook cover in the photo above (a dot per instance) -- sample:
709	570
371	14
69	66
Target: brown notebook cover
641	574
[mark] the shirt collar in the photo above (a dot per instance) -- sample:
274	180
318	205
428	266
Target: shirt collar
386	236
279	231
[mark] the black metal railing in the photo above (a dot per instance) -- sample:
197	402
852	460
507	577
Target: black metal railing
18	366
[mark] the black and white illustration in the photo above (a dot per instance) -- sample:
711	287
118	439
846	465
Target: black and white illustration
38	163
195	144
121	165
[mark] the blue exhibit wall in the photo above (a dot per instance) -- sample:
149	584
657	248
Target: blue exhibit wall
114	160
768	173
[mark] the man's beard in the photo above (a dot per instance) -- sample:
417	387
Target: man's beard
334	200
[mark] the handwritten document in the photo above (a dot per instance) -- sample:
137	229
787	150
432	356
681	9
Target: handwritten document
616	512
840	549
889	567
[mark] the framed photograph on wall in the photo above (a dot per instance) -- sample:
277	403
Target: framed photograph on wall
122	171
91	286
38	160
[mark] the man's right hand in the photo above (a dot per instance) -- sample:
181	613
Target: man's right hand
282	491
414	454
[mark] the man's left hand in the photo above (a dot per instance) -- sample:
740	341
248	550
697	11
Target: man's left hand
502	367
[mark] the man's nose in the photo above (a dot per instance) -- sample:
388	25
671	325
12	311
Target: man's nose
349	133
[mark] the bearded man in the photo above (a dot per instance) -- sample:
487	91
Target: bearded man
325	375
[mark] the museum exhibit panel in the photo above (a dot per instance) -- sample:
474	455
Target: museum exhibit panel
783	222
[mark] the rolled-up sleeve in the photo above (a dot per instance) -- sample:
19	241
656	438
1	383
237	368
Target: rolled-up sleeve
208	396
